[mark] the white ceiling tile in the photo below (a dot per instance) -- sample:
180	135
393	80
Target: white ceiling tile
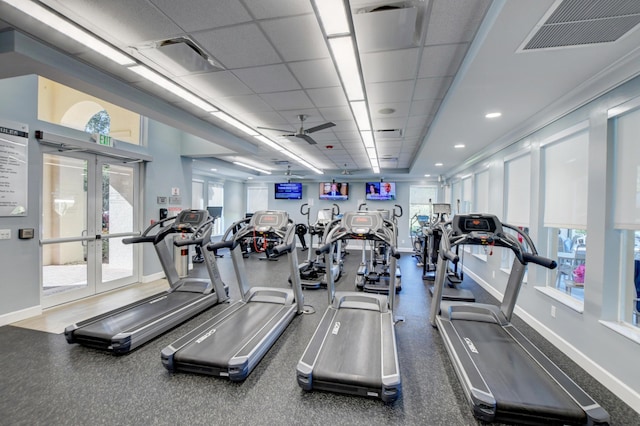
263	9
327	97
244	103
455	21
238	47
388	123
441	61
389	66
421	108
267	79
315	73
295	99
297	38
395	91
419	121
128	22
432	88
265	119
336	113
216	84
204	14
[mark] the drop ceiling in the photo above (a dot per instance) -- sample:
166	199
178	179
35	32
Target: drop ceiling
432	70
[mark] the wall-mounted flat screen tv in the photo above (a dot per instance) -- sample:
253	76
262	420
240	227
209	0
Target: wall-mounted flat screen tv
380	191
288	191
334	191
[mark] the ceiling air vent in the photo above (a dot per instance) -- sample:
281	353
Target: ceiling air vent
386	134
583	22
180	56
386	27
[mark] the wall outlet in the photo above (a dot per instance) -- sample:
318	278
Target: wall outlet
553	311
5	234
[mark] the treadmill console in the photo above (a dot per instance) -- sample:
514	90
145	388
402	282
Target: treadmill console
190	219
477	224
268	220
362	223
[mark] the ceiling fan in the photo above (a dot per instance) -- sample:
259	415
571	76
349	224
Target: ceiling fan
345	171
303	133
290	174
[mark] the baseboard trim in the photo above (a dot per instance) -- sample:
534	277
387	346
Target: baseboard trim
608	380
20	315
153	277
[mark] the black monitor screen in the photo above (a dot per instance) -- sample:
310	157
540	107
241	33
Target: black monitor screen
334	191
288	191
380	191
215	211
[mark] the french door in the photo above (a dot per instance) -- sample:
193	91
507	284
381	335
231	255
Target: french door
89	204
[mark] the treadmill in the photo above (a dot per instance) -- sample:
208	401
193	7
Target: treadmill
440	214
128	327
353	349
232	342
504	376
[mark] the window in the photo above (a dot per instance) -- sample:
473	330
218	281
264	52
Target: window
481	204
216	199
197	194
456	196
565	209
420	199
627	212
466	205
517	190
68	107
257	198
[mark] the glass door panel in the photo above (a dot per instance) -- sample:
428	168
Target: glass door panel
116	220
65	233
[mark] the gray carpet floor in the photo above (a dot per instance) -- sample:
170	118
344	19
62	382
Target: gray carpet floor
45	381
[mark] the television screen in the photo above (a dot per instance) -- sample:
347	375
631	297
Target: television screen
334	191
380	191
288	191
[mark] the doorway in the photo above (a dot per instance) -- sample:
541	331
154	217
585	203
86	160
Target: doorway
89	205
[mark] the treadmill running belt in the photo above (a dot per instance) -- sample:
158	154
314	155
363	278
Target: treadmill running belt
520	386
351	353
230	335
137	316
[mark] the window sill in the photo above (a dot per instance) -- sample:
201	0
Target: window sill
623	328
565	299
482	257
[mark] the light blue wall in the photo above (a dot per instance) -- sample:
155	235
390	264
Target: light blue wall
19	262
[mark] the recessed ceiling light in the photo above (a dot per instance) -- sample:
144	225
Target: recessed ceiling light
493	115
438	164
214	170
459	145
427	175
386	110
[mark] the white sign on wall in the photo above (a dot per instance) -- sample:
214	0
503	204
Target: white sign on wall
14	143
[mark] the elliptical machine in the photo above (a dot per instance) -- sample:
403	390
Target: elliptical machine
373	273
313	270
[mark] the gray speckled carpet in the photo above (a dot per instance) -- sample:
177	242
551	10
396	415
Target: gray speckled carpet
45	381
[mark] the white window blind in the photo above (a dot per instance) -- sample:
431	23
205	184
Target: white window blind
456	194
517	185
627	169
257	198
197	194
482	192
565	182
467	195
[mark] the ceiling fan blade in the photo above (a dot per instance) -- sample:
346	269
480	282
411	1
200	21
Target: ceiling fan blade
320	127
271	128
307	138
